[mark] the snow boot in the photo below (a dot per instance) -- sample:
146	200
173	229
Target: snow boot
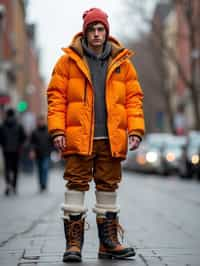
110	247
74	234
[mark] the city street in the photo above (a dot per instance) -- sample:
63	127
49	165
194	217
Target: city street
101	81
161	218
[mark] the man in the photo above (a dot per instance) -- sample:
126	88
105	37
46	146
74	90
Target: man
12	137
40	150
94	102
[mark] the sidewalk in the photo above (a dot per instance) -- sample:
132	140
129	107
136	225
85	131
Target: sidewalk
161	218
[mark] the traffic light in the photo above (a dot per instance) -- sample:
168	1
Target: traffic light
22	106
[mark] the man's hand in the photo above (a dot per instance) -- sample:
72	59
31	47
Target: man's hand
32	155
134	142
60	143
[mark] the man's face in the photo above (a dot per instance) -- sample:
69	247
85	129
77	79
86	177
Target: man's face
96	35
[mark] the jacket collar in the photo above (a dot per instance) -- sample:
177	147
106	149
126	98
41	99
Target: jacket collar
116	47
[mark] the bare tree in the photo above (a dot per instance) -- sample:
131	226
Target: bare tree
190	9
148	65
151	65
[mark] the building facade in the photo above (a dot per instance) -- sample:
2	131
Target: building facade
20	78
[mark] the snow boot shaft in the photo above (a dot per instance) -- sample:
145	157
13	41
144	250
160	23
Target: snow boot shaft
74	234
110	246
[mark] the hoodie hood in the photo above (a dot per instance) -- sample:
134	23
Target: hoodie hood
116	46
103	56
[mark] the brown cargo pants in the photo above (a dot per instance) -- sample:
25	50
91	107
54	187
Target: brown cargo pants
100	167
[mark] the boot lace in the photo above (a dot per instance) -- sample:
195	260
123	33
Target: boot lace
75	234
115	229
121	231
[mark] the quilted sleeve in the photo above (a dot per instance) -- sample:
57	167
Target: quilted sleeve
134	102
57	96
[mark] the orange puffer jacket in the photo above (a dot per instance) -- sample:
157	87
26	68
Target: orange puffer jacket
71	100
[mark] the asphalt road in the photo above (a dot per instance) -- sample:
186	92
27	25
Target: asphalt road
161	218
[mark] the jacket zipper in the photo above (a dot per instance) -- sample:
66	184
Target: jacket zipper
114	66
85	101
85	92
91	139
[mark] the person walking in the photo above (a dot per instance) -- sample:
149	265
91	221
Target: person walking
40	149
12	138
95	104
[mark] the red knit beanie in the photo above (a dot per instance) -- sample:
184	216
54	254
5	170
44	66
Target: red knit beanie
95	15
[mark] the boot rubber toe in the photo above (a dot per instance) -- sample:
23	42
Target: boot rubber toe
125	253
72	256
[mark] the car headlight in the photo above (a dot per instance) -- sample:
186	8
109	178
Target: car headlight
195	159
151	156
170	157
140	159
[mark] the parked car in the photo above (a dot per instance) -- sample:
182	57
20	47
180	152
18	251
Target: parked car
154	148
190	161
148	158
172	153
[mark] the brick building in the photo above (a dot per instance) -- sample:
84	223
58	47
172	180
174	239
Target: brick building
20	78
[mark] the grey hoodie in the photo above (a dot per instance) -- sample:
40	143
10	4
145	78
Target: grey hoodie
98	69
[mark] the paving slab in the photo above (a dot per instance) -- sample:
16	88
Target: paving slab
160	217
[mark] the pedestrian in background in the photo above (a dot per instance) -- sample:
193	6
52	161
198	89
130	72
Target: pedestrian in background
12	138
40	149
95	103
28	120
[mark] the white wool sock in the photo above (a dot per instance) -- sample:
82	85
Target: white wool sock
74	203
106	202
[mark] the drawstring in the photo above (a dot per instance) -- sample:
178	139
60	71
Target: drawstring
121	232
